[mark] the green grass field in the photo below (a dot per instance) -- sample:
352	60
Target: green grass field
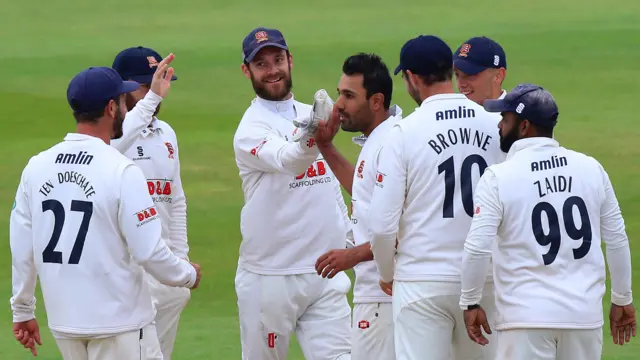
585	53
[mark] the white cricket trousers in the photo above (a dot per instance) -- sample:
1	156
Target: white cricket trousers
372	332
549	344
271	307
133	345
430	324
169	302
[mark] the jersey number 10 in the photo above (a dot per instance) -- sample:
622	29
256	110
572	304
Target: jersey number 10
50	255
466	186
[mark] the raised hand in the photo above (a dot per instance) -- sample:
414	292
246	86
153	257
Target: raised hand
161	81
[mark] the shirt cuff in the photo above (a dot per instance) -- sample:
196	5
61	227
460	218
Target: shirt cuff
621	299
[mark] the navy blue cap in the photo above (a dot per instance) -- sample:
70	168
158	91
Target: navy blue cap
260	38
138	64
530	102
425	55
478	54
92	89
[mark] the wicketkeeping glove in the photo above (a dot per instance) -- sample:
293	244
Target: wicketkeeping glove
321	111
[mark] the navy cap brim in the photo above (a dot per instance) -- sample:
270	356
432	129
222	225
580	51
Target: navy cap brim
146	79
262	46
468	67
128	86
497	106
397	70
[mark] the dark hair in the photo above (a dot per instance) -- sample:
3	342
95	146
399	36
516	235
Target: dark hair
541	131
443	74
93	115
375	75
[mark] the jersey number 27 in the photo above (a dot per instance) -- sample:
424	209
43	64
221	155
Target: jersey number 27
50	255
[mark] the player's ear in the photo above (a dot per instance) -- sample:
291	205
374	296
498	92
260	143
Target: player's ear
245	70
376	101
525	128
290	57
111	108
500	75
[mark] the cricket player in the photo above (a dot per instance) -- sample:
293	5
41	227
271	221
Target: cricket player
82	221
551	207
363	105
154	148
293	213
480	67
427	171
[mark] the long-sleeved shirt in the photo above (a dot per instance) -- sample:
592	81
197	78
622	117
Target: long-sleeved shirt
84	222
294	211
154	148
366	288
542	214
426	174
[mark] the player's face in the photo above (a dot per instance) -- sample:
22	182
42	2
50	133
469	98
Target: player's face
478	87
412	89
120	113
509	131
270	74
133	97
353	106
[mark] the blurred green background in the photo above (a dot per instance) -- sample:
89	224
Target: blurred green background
585	52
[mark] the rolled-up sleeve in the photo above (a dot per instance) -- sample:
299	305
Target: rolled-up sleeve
387	203
476	259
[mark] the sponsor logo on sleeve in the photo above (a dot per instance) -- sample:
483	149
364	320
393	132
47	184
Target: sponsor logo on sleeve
146	216
256	149
360	169
170	149
380	179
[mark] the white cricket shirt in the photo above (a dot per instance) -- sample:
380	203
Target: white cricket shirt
84	223
426	175
366	288
154	148
550	207
294	211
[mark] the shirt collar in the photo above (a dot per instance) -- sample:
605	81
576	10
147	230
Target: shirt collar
153	128
81	137
529	143
437	97
285	108
395	113
504	93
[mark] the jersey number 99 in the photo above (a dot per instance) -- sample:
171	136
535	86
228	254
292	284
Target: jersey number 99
553	238
50	255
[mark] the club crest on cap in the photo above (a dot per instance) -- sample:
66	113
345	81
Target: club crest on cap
152	61
464	50
261	36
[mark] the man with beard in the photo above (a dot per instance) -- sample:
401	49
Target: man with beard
551	207
153	146
423	196
293	213
480	66
363	105
80	219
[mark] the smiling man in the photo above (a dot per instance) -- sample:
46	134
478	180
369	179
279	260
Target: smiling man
293	213
480	66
